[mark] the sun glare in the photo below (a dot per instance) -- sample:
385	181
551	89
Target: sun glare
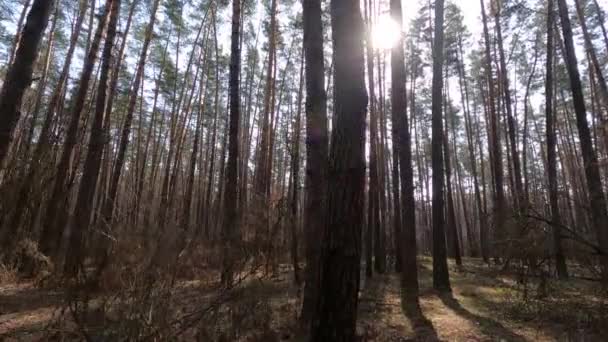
385	33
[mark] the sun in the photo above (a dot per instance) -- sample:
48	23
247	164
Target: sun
385	33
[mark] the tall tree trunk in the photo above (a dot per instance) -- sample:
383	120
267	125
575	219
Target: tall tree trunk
599	215
511	124
496	150
441	277
97	142
593	59
407	234
560	260
316	153
263	174
338	297
295	175
464	91
372	198
453	245
51	230
19	74
108	206
230	229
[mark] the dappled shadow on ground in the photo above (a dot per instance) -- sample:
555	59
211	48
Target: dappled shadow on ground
423	327
489	327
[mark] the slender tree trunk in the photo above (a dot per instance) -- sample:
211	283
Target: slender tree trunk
464	91
599	215
372	230
409	271
496	150
230	230
51	229
295	175
560	260
441	277
511	124
97	142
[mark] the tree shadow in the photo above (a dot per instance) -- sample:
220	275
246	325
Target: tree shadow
489	327
422	326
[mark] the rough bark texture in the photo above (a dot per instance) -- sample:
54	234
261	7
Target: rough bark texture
339	286
19	75
230	222
316	152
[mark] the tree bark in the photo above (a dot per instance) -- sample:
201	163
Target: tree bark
230	229
19	74
96	145
339	287
441	277
51	230
316	153
560	260
599	215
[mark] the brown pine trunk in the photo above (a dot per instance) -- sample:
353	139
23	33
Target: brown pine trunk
51	229
371	231
295	176
230	229
496	150
441	277
96	145
19	74
409	272
511	124
560	260
109	204
599	216
338	294
464	92
316	153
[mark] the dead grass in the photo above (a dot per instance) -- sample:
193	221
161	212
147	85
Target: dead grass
485	305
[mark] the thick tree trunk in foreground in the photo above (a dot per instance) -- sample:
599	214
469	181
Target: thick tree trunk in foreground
19	75
316	153
339	287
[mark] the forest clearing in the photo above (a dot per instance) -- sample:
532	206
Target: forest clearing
303	170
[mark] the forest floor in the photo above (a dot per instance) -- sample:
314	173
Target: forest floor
486	305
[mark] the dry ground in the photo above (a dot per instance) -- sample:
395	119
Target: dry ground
485	306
